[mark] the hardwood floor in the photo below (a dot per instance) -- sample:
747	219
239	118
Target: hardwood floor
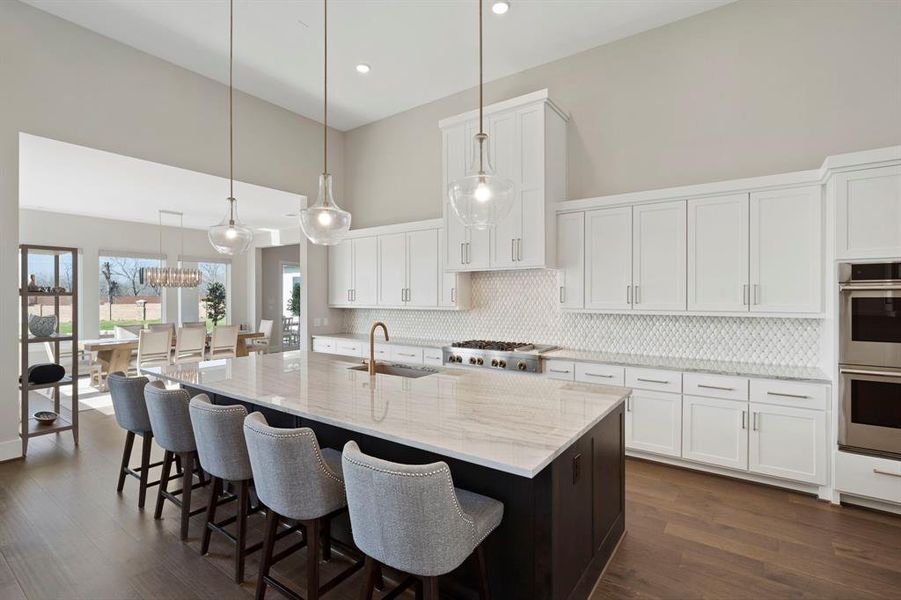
64	533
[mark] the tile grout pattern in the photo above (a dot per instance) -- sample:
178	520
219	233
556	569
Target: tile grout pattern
521	306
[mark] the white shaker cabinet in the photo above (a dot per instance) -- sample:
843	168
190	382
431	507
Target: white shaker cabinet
868	213
654	422
365	271
786	250
715	431
353	272
340	268
608	258
571	259
408	269
392	269
788	442
658	259
718	248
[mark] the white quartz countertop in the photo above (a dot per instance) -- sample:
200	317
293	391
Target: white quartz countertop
513	422
719	367
362	337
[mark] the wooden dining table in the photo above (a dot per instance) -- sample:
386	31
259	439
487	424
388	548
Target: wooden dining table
114	355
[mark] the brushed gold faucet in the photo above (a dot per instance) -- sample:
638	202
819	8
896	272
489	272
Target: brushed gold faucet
372	329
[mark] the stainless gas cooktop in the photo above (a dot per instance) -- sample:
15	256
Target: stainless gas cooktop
491	354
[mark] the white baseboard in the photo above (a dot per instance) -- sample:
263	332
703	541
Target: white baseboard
10	449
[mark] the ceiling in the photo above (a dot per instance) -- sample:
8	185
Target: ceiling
419	50
65	178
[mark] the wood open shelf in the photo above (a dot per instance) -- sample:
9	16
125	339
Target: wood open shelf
46	386
53	338
36	428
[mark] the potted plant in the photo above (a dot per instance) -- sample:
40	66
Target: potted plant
214	302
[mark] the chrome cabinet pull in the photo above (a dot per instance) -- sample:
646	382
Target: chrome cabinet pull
716	387
890	474
468	252
407	355
353	294
453	295
637	294
628	294
599	375
559	371
864	372
513	250
744	417
562	295
660	381
756	293
754	425
628	403
519	249
462	253
348	295
745	294
799	396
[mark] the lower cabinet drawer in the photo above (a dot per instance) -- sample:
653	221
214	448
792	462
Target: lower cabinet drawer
868	476
654	379
381	351
561	369
407	354
715	386
606	374
433	357
790	393
349	348
326	345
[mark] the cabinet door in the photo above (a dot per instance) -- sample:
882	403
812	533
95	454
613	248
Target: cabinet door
868	206
654	422
422	268
340	273
454	167
478	241
570	259
504	141
786	250
658	271
718	253
788	442
392	269
608	258
715	431
531	248
365	290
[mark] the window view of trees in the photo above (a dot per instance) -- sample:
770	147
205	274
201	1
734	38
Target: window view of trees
41	266
125	299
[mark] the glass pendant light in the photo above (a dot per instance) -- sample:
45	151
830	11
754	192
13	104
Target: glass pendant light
230	236
481	198
325	223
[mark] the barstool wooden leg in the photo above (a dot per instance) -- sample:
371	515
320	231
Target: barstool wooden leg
326	539
430	585
126	455
215	489
187	482
313	540
369	578
266	558
484	591
241	524
145	467
164	484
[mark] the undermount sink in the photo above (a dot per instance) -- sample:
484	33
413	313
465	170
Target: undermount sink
398	370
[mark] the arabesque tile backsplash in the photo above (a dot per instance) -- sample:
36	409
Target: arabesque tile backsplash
521	306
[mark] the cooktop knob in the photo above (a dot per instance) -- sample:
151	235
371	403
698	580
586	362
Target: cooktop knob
494	362
480	361
472	360
521	365
502	363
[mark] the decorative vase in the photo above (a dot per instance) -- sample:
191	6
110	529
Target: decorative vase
42	326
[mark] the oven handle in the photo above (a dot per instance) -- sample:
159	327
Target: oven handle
853	287
875	373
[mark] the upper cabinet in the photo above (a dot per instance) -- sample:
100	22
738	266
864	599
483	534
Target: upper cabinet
528	146
658	256
571	259
786	250
868	213
396	266
608	258
718	248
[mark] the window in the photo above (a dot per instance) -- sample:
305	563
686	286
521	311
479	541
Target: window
125	300
191	305
42	267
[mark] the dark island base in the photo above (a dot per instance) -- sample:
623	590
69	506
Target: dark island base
560	528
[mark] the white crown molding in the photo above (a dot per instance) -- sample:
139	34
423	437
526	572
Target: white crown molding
396	228
524	100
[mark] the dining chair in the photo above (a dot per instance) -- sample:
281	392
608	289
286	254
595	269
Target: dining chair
224	342
264	343
154	348
162	327
194	324
190	345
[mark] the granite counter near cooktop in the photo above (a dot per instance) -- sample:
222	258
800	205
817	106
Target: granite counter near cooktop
695	365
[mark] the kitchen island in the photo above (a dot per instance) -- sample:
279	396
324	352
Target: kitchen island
551	451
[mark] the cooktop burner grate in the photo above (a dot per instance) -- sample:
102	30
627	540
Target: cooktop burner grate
494	345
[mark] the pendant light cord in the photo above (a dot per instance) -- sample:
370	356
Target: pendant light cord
325	88
481	98
231	126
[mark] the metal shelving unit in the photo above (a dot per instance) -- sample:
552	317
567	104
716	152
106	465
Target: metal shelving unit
29	426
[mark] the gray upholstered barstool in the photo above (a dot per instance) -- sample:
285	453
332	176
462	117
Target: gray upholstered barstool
413	519
297	480
127	394
171	421
219	433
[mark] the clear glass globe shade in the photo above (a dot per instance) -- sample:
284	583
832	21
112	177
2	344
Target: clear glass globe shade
481	199
230	236
325	223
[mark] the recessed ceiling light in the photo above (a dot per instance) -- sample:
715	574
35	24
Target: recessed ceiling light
363	68
500	7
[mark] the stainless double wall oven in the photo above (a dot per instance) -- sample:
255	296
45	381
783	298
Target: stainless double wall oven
870	358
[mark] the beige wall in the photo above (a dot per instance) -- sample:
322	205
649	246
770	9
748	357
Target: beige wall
61	81
752	88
